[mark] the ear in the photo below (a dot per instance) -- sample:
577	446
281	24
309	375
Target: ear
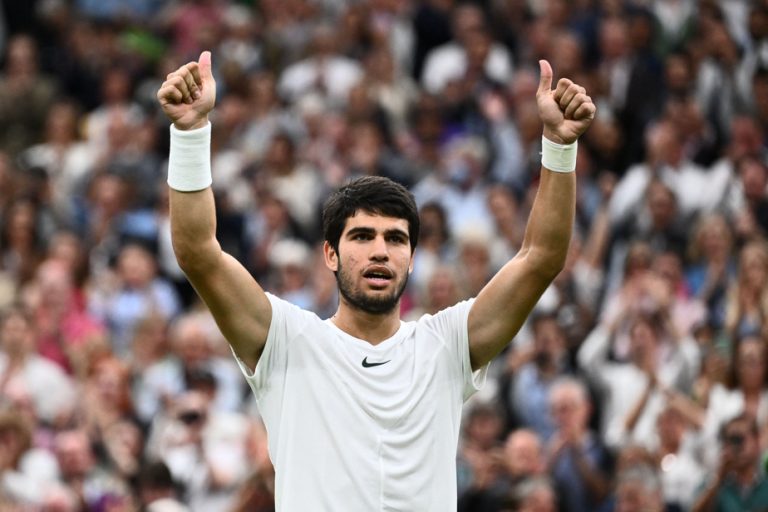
331	257
410	265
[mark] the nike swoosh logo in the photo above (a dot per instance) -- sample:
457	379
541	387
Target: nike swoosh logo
366	364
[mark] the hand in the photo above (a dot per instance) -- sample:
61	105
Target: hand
189	94
567	111
493	107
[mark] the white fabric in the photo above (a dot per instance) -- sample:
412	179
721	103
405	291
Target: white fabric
448	63
50	390
67	167
558	157
723	405
695	189
189	160
347	437
333	75
622	384
682	475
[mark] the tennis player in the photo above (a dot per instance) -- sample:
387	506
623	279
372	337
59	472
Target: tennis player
362	409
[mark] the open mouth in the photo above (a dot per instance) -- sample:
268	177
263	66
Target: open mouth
378	277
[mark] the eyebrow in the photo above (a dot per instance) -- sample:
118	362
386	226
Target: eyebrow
370	231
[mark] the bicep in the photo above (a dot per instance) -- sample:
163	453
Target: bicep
238	304
502	306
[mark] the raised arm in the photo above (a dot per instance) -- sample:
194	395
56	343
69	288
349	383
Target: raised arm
237	302
504	303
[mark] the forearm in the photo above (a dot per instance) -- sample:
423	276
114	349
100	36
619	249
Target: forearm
548	232
694	413
706	501
192	209
597	242
594	351
193	228
597	485
637	410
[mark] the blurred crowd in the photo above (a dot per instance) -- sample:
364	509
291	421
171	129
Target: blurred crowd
638	384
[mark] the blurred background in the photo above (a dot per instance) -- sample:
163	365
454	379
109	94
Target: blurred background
640	381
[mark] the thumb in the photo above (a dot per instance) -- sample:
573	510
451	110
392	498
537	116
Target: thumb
205	66
545	82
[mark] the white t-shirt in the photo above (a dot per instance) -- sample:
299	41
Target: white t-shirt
358	427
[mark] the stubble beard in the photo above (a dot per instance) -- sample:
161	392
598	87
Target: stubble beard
359	300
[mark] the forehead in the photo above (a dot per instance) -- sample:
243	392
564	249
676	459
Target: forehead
737	427
363	219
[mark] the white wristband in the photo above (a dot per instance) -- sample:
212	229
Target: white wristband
189	162
558	157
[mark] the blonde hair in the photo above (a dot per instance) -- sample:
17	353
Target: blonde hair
734	310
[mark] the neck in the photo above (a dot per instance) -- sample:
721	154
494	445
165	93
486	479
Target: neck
16	356
671	446
745	476
371	327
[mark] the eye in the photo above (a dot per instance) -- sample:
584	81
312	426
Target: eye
396	239
361	236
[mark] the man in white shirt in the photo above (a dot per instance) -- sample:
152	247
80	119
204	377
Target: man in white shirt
363	410
449	62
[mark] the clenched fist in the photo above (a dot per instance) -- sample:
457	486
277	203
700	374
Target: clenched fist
189	94
567	111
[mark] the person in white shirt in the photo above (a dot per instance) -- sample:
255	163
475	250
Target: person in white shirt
324	71
363	410
449	61
633	393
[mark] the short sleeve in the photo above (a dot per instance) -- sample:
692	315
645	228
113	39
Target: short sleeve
286	323
452	326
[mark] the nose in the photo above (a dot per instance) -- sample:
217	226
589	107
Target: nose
379	251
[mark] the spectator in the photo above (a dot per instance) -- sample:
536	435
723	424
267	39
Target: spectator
21	239
24	375
137	293
665	160
66	159
204	449
535	495
448	62
157	489
25	471
751	210
578	461
712	265
522	459
738	483
106	397
442	290
747	303
80	471
460	185
434	244
543	362
25	95
632	393
323	71
479	452
192	339
290	261
294	182
639	489
681	470
66	333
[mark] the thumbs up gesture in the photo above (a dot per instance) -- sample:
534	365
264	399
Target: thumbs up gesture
566	111
189	94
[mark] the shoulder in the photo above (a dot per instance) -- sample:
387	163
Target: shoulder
458	310
287	308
